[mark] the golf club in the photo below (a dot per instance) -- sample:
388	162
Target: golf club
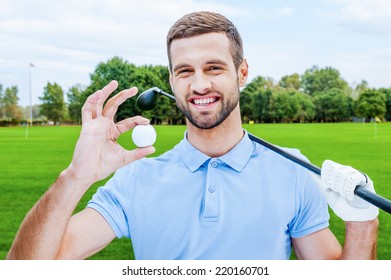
148	100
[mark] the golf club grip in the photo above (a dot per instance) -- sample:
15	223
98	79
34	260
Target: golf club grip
374	199
361	192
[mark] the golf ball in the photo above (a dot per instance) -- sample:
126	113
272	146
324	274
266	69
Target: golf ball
143	135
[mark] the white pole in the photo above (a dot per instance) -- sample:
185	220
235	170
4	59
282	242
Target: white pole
31	105
30	121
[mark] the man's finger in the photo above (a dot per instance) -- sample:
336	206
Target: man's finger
105	92
88	108
136	154
112	105
130	123
93	105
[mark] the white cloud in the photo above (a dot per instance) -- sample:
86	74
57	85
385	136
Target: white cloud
373	65
365	16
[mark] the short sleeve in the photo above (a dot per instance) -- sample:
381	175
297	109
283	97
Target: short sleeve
311	210
114	199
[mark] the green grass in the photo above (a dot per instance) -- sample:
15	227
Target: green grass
29	166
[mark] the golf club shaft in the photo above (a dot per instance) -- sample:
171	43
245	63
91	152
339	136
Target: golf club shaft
361	192
167	94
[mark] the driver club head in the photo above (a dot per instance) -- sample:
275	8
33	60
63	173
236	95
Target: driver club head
148	99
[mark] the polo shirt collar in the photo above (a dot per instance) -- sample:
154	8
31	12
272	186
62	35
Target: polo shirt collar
236	158
192	157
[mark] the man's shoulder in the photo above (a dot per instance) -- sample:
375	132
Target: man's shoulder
263	151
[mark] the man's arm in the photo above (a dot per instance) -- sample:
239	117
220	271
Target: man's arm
337	184
76	245
49	231
320	245
360	243
360	240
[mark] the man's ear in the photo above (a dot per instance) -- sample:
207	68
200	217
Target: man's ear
243	73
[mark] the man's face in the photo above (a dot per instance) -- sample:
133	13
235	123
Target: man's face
204	79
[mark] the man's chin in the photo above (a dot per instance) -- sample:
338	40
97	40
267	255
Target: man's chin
204	125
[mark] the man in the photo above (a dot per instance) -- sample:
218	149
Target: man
216	195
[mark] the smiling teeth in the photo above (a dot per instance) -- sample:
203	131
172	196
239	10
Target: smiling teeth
204	102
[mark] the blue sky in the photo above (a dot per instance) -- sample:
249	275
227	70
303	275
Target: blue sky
65	40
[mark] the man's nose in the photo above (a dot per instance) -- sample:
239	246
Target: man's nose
201	83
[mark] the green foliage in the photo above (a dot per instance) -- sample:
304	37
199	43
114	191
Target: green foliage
387	93
114	69
263	101
246	104
332	106
255	100
143	77
75	103
306	110
320	94
283	106
291	106
290	82
9	109
317	80
53	104
371	103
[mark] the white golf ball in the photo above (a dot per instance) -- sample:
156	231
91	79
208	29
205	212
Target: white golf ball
143	135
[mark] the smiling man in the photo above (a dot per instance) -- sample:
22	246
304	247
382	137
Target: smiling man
215	195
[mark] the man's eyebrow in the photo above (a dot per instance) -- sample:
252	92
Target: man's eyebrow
216	61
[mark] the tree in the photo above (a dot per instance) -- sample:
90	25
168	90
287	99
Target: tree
9	104
371	103
291	106
53	105
246	105
1	102
167	108
332	106
75	104
255	99
306	110
283	106
114	69
387	93
290	82
143	77
317	80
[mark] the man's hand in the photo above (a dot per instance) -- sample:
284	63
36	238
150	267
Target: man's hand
338	185
97	154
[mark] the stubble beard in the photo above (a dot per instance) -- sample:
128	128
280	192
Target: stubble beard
209	120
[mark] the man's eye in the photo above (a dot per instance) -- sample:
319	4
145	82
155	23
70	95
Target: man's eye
183	71
214	68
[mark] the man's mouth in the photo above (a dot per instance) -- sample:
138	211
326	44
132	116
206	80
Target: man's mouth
204	101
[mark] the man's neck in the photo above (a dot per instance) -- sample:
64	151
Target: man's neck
219	140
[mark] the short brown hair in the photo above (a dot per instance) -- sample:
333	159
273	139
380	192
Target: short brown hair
199	23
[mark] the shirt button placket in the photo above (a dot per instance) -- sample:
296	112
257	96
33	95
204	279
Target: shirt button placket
211	210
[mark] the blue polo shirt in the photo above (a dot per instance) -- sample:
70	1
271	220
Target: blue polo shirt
247	204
